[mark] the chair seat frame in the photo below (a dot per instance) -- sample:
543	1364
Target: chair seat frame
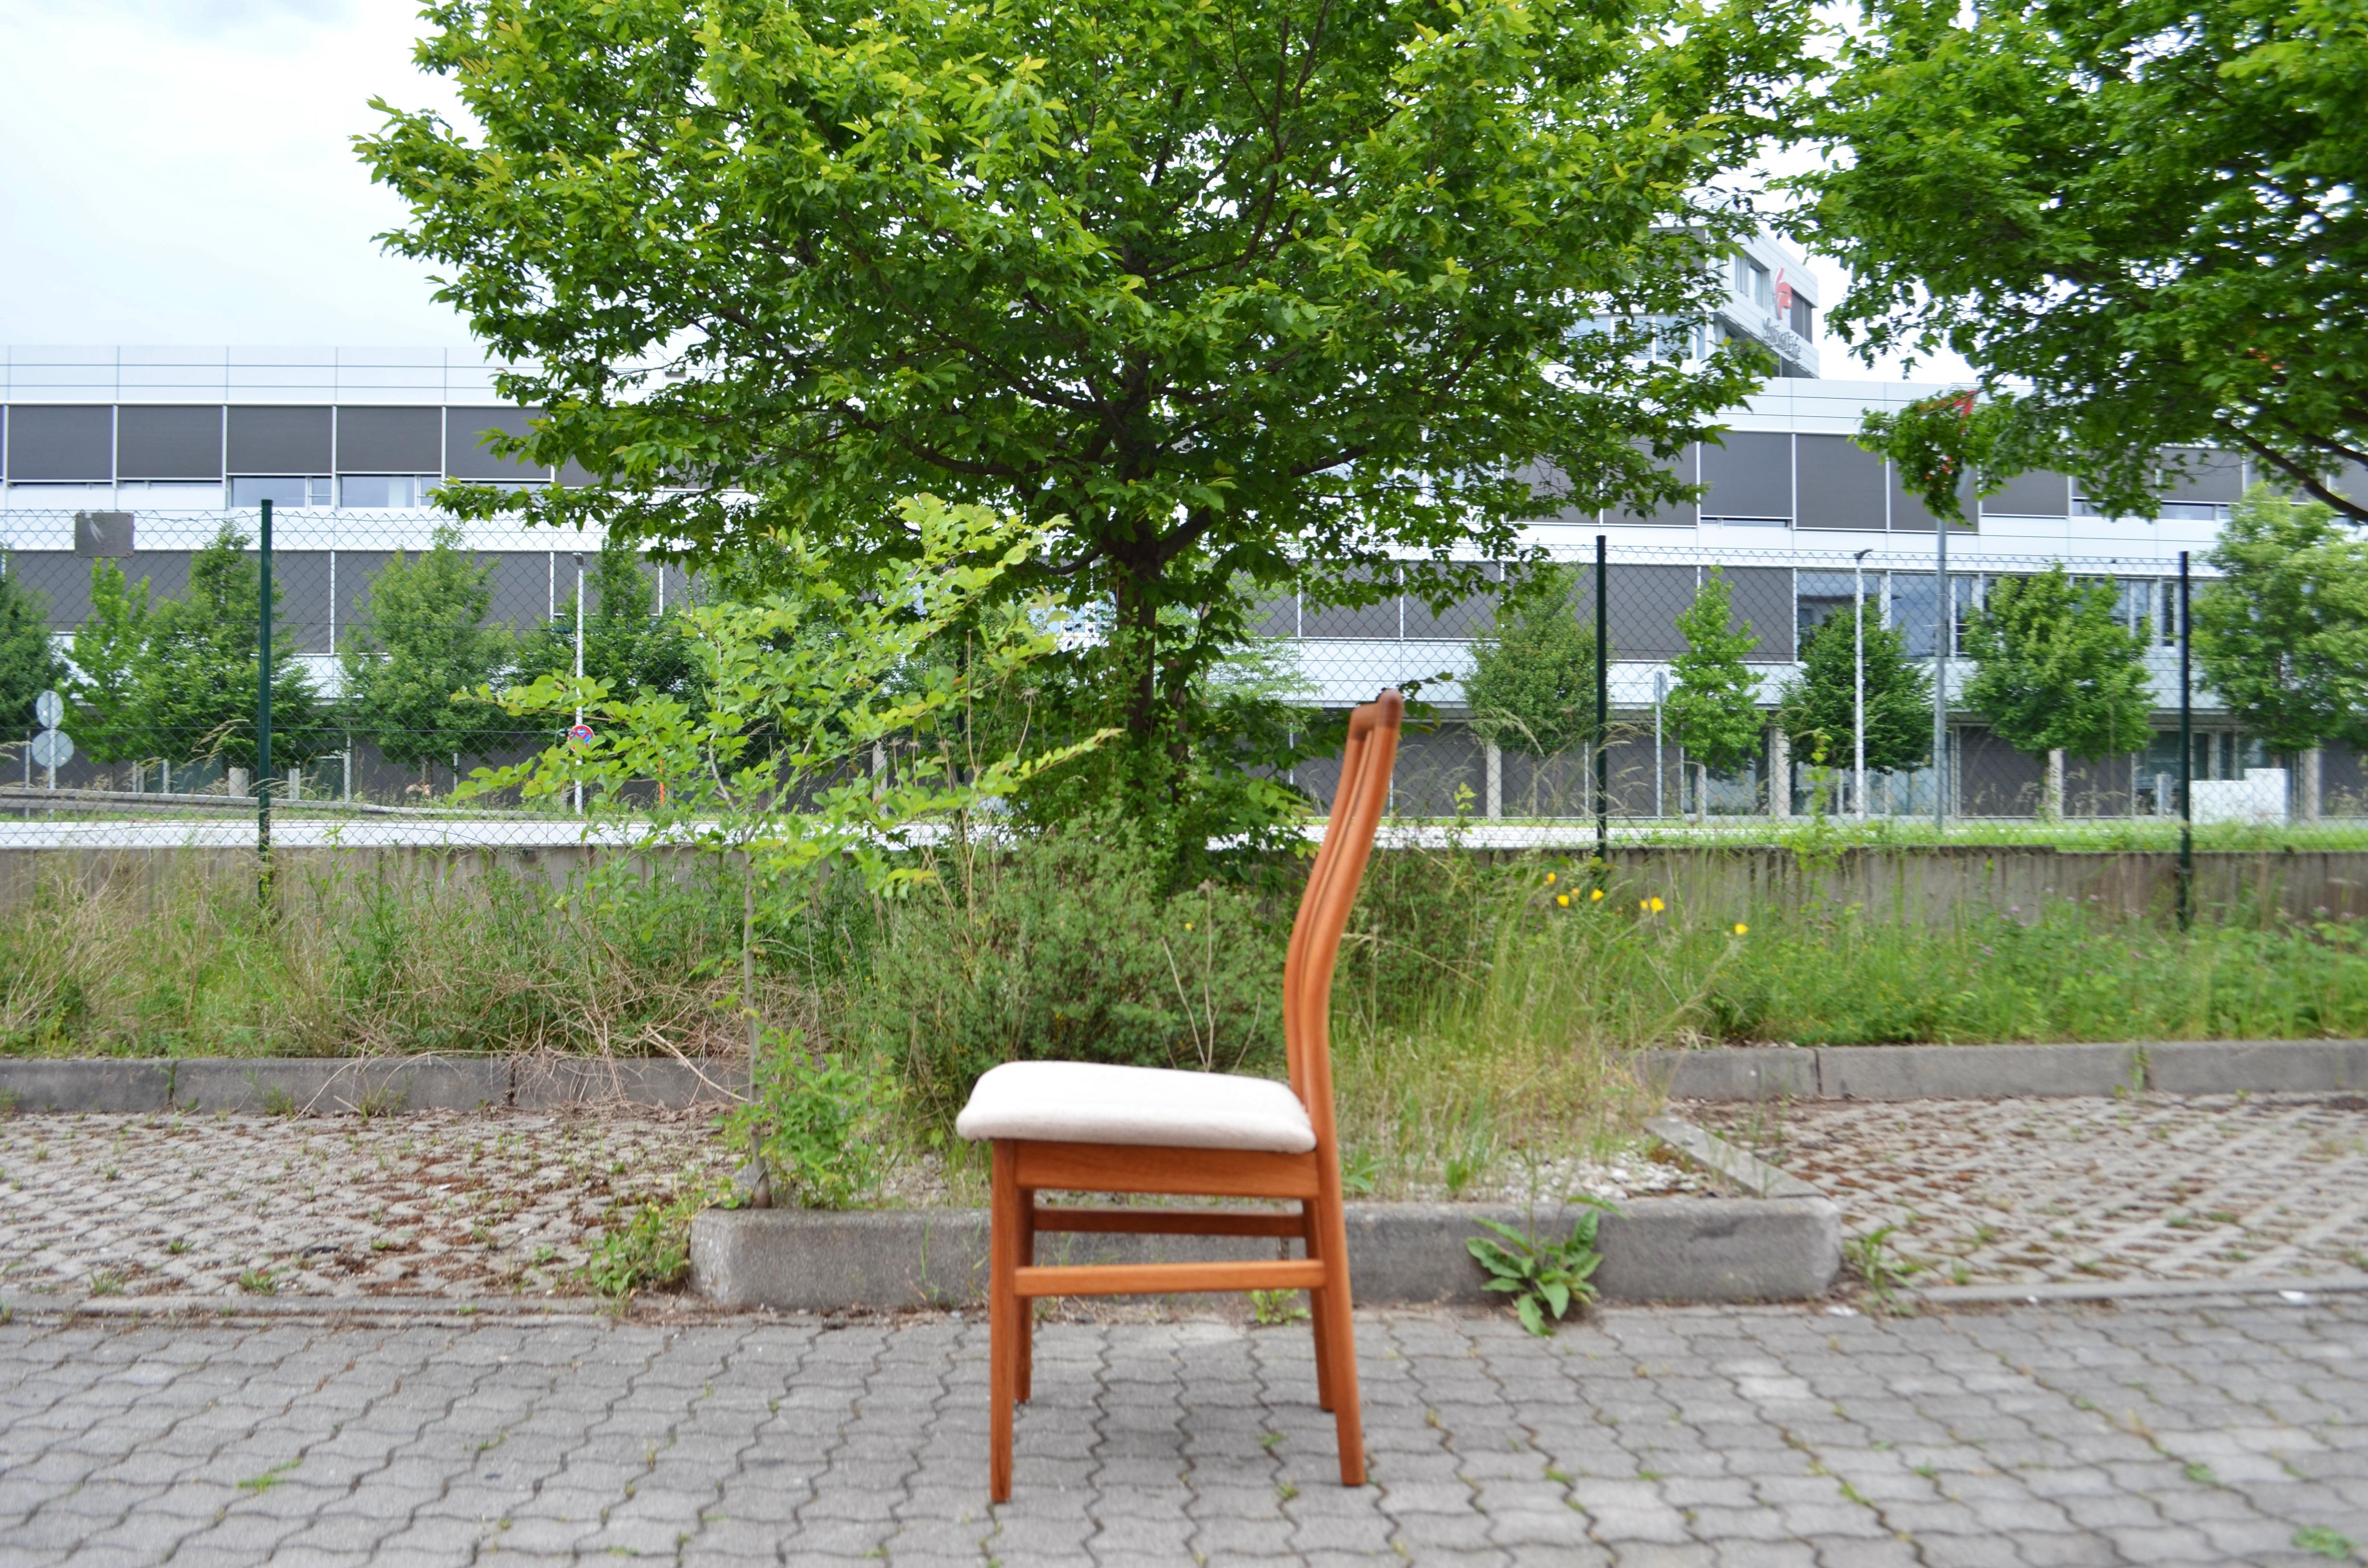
1024	1167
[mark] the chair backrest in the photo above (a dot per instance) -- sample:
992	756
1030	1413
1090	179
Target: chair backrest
1332	884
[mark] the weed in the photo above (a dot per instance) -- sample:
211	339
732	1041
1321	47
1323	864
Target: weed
270	1478
2201	1473
817	1122
1360	1172
106	1282
650	1251
1543	1277
278	1101
2326	1542
1274	1307
177	1245
258	1282
1880	1268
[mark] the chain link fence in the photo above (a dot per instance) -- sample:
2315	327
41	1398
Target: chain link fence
151	624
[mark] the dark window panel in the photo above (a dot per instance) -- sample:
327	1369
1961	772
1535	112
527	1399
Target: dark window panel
1378	619
1908	513
391	440
1552	489
466	457
1686	468
1840	483
1821	595
1432	766
62	443
1763	596
1468	616
169	442
1644	603
63	580
355	569
302	578
574	473
2039	493
1751	475
278	440
2199	474
522	588
2351	482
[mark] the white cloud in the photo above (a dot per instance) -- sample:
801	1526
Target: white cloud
182	172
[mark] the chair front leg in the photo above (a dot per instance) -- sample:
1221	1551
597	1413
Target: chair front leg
1003	1326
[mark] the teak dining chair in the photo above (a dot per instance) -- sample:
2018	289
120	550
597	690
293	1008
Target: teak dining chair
1074	1126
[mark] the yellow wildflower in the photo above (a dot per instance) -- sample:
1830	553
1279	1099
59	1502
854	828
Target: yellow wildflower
1596	897
1550	878
1563	899
1741	929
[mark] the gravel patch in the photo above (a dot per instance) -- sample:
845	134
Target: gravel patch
2021	1191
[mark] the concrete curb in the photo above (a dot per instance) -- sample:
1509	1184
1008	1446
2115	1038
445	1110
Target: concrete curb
332	1084
1657	1249
2131	1291
1984	1072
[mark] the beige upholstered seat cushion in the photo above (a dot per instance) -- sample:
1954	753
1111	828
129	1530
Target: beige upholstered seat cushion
1083	1102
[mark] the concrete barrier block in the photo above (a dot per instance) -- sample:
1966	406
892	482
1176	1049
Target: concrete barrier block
338	1085
86	1086
1730	1072
1660	1249
2232	1066
567	1083
1974	1072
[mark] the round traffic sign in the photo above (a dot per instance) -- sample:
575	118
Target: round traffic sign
52	748
49	709
580	734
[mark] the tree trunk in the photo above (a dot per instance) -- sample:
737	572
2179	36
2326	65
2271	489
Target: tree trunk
2051	799
2308	788
1780	774
1496	761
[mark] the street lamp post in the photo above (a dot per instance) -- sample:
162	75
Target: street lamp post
1660	695
1858	679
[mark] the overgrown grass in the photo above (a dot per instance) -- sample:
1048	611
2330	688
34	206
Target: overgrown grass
170	956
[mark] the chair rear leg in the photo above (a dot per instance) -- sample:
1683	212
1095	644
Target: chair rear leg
1004	1327
1339	1342
1313	1234
1024	1382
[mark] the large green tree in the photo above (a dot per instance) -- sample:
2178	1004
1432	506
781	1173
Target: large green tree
2139	220
2056	670
1818	706
1230	289
422	648
1714	710
197	671
111	721
2283	635
626	642
1533	676
29	660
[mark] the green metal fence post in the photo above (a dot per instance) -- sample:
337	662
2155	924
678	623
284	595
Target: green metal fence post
262	718
2186	762
1603	718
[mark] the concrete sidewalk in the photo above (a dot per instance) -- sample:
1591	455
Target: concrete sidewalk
2215	1431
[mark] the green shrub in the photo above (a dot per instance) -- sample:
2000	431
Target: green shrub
650	1251
817	1122
1067	950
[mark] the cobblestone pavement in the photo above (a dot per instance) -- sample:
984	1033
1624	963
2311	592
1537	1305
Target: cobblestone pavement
2223	1431
426	1203
2026	1190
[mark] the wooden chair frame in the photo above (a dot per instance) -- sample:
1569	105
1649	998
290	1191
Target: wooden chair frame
1024	1167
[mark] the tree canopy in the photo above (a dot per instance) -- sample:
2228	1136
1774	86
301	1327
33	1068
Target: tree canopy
1714	710
1819	707
424	642
1532	682
2139	220
1238	295
29	664
2056	669
2283	635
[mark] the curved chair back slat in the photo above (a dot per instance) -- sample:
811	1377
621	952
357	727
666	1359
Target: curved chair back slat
1332	883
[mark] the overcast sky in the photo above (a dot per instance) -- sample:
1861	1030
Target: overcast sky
181	173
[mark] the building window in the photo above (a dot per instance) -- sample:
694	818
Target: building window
280	490
1805	316
376	490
